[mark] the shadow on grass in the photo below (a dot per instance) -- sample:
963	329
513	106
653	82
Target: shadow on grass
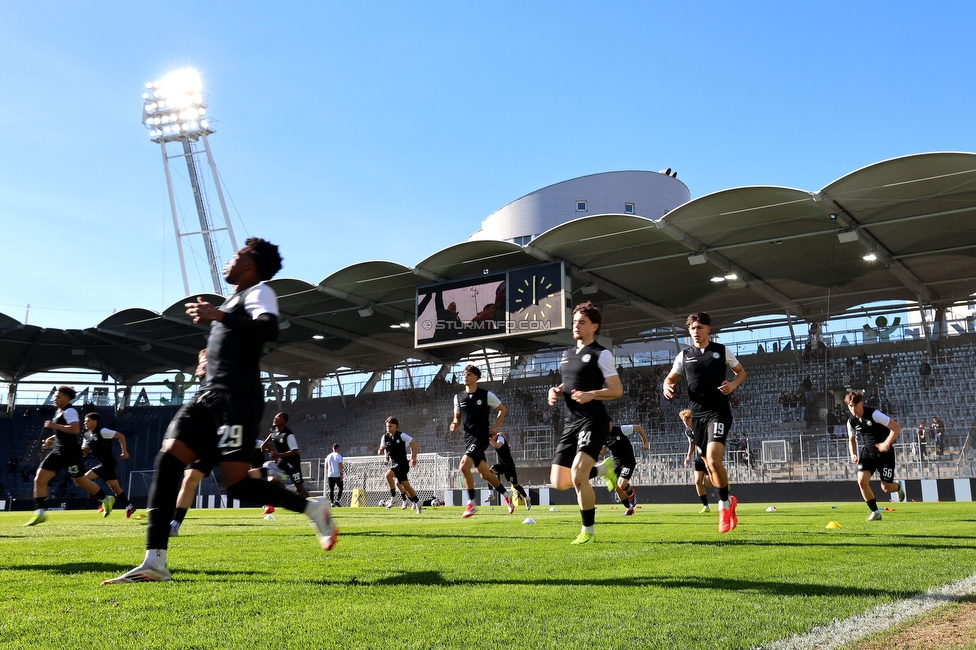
778	588
73	568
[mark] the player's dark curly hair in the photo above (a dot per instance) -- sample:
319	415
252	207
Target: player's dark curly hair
589	310
698	317
267	259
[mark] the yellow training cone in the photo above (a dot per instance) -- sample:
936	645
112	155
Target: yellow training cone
833	524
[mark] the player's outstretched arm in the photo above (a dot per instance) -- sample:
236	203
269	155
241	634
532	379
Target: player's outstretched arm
645	445
670	382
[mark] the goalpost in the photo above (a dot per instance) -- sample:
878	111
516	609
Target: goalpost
365	486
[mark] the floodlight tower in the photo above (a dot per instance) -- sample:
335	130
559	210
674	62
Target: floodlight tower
174	111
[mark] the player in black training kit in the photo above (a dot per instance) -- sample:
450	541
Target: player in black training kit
65	454
220	423
703	365
621	451
701	472
506	465
585	370
472	407
284	452
98	443
877	433
394	445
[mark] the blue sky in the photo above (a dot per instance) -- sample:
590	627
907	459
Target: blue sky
356	131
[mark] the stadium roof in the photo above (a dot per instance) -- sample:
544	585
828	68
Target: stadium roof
779	250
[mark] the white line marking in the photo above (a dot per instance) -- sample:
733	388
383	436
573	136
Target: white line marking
880	618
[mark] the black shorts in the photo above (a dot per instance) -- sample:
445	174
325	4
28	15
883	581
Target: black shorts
871	460
219	426
257	456
508	470
710	427
584	435
475	450
700	465
293	470
105	471
69	460
204	466
400	470
625	466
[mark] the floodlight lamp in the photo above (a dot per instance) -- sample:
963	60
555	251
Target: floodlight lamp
365	312
318	337
184	82
870	256
589	288
718	278
847	236
731	275
697	258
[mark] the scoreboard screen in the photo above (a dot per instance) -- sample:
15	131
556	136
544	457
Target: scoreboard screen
521	302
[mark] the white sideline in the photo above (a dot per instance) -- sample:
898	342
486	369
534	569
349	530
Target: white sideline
878	619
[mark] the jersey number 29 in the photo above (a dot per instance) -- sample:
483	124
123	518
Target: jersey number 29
231	436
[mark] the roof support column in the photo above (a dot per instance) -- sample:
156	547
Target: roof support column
926	332
796	348
484	351
677	343
370	384
342	395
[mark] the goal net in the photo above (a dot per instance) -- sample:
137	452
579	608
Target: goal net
365	484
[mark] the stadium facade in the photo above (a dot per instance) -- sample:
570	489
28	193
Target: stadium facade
635	243
642	193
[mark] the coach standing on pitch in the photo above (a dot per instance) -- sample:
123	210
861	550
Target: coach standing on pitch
703	365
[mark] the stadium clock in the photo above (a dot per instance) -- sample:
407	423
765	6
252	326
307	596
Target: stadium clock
535	297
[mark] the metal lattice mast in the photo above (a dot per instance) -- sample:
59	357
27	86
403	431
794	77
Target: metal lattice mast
174	110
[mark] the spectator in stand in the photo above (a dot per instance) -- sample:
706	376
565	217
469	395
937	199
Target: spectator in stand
885	404
925	370
801	404
862	356
922	439
794	405
840	428
936	430
784	401
872	400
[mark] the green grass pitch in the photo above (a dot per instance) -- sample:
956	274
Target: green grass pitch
664	578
